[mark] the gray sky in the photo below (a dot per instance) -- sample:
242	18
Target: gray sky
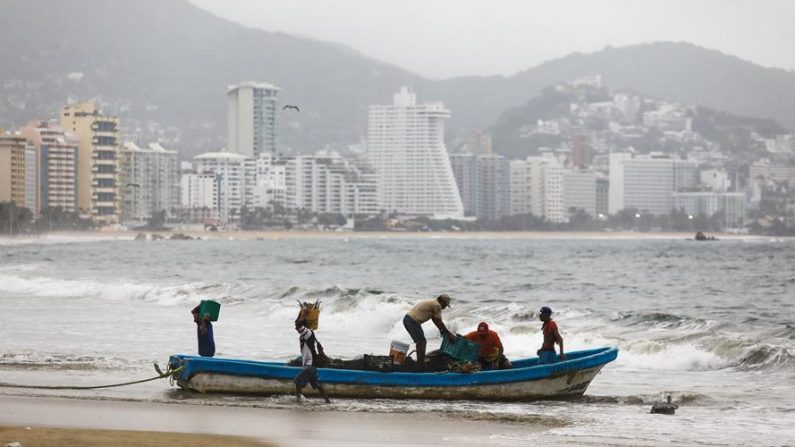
445	38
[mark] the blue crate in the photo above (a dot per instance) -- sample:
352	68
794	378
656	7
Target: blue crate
461	349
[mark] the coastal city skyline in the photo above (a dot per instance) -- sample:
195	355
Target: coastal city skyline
262	223
591	169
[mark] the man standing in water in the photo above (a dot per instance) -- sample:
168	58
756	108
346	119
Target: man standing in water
204	333
310	349
546	354
419	314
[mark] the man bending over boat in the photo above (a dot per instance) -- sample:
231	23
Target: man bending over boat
310	351
419	314
491	352
546	354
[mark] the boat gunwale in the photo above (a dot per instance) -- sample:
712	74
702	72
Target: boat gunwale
582	360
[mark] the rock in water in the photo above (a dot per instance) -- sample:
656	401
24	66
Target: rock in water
666	407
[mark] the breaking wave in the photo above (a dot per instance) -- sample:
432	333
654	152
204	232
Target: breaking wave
53	361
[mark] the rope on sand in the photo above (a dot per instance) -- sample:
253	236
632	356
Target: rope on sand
169	373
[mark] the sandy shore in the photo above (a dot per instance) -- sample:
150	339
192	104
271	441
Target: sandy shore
278	235
72	437
317	424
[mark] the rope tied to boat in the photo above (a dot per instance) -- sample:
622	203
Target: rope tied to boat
168	373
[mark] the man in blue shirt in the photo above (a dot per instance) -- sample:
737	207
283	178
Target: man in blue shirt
204	333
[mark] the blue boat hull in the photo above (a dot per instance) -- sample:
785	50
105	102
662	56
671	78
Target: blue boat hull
526	381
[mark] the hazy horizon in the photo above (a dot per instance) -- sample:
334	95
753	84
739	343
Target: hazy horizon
478	39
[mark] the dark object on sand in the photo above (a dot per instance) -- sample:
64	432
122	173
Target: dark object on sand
666	407
702	237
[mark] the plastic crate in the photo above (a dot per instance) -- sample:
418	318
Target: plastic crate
461	349
209	307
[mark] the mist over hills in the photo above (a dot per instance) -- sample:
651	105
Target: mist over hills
164	65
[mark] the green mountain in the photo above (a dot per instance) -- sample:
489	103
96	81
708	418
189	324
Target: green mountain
164	65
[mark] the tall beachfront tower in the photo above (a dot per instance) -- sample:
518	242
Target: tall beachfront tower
405	146
56	165
154	169
252	118
97	160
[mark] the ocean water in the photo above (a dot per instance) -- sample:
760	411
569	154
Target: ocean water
711	324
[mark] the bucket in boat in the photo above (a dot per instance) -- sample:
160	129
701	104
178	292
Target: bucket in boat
398	351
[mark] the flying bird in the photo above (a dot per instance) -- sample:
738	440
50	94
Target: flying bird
135	185
288	106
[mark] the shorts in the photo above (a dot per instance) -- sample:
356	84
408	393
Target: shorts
414	329
308	375
486	365
546	357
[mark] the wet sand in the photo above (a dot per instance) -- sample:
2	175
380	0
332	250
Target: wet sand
72	437
315	424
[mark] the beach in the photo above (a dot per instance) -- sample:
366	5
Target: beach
313	425
709	324
111	235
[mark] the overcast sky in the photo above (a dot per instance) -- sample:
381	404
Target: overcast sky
445	38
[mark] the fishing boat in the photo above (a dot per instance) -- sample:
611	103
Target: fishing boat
527	380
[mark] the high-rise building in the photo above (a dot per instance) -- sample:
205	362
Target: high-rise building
649	184
686	176
230	171
579	191
98	189
150	181
200	192
715	179
731	205
465	171
406	147
519	187
55	179
553	205
252	118
13	169
484	184
546	187
615	202
602	195
327	183
772	170
270	189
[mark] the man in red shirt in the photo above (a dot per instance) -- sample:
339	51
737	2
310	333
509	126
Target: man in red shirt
491	351
546	354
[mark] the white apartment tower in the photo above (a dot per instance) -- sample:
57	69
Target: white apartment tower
406	147
327	183
615	199
252	118
230	171
519	201
199	191
149	180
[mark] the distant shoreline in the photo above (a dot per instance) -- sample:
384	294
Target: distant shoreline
301	234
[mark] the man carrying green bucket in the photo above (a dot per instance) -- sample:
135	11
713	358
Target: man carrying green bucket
203	315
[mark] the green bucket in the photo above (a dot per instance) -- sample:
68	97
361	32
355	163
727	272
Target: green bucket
209	307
